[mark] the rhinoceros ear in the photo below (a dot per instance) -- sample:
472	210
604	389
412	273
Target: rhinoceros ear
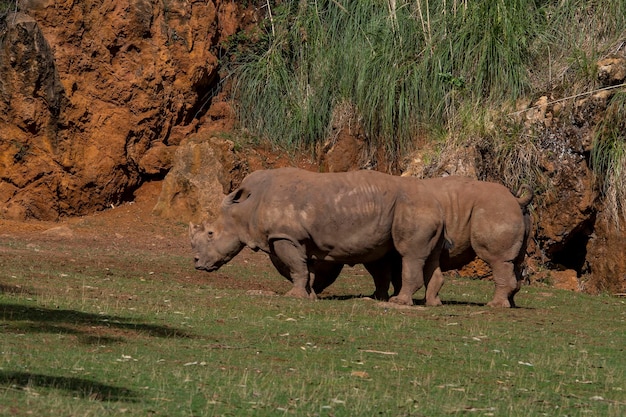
193	228
237	196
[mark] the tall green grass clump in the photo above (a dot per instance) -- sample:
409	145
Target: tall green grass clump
608	157
488	44
404	65
577	34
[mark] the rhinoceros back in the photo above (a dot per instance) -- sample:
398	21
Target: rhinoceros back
336	216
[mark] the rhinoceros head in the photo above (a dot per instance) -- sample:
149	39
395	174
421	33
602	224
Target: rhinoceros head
213	245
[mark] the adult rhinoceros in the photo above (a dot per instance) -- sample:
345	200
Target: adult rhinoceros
303	219
480	219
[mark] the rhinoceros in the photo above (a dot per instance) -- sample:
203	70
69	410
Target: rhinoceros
480	219
304	220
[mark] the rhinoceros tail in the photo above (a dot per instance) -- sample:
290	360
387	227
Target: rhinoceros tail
524	196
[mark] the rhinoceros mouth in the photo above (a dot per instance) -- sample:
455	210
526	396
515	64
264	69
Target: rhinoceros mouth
209	268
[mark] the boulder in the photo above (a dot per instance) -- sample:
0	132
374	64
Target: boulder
612	70
565	280
204	170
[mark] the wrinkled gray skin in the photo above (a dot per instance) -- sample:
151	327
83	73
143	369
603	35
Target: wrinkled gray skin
304	219
480	219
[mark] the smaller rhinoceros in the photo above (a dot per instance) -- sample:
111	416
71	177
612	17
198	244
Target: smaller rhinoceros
480	219
304	219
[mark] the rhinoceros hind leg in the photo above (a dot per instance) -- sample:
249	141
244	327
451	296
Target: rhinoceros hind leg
412	280
507	284
432	288
381	271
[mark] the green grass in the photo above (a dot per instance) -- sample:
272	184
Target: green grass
138	332
608	157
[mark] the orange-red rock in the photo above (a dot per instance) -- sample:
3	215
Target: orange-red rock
92	91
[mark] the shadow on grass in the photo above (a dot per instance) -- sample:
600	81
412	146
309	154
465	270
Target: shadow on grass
77	386
474	304
416	302
45	320
15	289
346	297
456	303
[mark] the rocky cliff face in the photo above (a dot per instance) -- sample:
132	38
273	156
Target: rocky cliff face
95	96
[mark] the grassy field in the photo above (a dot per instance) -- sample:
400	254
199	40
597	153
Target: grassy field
108	329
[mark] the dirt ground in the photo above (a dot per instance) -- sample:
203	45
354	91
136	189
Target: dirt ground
128	224
128	228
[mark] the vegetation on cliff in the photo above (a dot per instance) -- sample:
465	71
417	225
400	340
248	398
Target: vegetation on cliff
434	68
608	156
6	6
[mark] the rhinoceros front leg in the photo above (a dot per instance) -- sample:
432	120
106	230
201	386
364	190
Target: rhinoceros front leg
418	269
292	255
386	270
322	274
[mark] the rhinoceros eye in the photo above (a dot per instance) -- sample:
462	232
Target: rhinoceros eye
210	234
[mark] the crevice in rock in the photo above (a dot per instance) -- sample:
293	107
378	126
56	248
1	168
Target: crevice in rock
206	89
572	254
114	50
153	176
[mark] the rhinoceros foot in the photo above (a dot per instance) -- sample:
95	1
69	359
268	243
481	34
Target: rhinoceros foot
300	293
401	299
380	296
435	302
501	303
